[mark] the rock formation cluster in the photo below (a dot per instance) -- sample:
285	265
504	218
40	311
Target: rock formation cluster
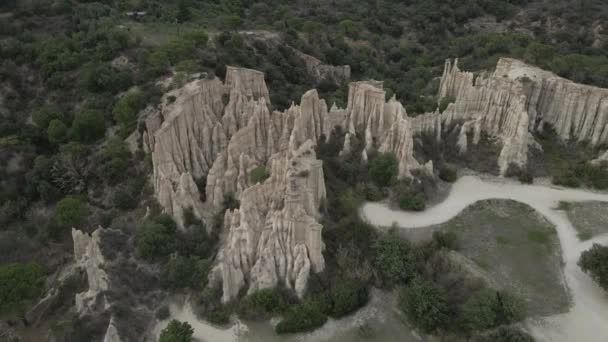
207	138
518	99
209	135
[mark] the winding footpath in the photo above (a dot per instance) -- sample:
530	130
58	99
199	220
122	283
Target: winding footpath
588	318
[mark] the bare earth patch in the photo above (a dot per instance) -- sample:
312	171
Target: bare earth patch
590	218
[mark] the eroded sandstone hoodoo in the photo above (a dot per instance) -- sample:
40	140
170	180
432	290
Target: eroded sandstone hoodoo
215	133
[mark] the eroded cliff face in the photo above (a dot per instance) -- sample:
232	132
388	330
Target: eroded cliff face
215	133
518	99
219	132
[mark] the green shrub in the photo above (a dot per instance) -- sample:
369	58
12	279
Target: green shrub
155	239
185	272
19	284
57	131
393	260
71	212
445	239
261	304
88	126
383	169
126	109
426	305
258	175
43	116
176	331
303	317
124	199
489	308
595	262
445	102
346	297
114	160
448	174
415	202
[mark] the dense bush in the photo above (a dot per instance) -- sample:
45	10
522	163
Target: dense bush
594	176
176	331
489	308
185	272
57	131
88	126
261	304
114	160
448	174
595	262
303	317
383	169
258	175
156	238
414	202
126	109
425	305
346	297
393	260
71	212
19	284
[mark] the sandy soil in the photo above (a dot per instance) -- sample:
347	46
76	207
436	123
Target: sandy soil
586	321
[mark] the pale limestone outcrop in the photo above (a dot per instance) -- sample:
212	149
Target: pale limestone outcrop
320	72
576	111
247	82
88	255
112	334
517	99
491	104
274	236
399	141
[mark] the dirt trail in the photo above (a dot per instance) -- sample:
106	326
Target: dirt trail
587	319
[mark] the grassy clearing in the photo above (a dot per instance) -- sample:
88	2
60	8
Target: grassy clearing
590	219
517	248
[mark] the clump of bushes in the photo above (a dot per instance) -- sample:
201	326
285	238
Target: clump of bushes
261	304
393	260
258	175
383	169
595	262
176	331
302	317
185	272
489	308
425	304
19	284
525	176
448	174
415	202
573	176
155	239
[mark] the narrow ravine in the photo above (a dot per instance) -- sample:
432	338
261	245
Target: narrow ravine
586	321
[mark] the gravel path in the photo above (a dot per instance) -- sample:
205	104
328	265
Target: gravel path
587	319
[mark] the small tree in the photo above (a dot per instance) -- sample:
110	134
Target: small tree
19	283
425	305
155	240
176	331
57	131
383	169
71	212
595	262
258	175
88	126
393	260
